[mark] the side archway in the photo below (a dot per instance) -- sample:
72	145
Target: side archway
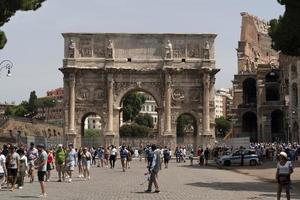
249	91
91	129
249	126
295	132
186	130
277	126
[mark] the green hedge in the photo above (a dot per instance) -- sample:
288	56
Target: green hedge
134	130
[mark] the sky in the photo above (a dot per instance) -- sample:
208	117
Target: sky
35	43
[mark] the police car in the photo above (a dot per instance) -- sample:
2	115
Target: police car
250	158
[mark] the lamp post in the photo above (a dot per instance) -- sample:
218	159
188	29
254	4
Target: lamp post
6	64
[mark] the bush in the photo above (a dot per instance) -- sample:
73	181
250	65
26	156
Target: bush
91	133
134	130
144	120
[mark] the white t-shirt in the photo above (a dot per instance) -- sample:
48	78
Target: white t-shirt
2	163
113	151
284	169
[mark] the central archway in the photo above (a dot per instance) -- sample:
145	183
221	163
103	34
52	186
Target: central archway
138	118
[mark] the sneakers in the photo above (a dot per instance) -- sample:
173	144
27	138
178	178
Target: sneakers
70	180
157	191
59	180
43	195
20	187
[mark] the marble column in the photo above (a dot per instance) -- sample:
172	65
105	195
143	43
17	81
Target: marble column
110	107
168	91
206	110
71	103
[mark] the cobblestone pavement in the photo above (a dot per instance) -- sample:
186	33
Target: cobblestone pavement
179	181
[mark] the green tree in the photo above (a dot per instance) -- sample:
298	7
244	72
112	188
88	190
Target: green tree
31	103
132	105
222	126
144	120
285	31
20	110
9	7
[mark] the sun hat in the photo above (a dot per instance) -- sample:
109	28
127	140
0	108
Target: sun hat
283	154
59	145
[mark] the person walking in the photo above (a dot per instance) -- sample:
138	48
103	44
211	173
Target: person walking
3	172
166	154
100	152
129	157
206	155
41	166
70	161
123	156
283	175
113	156
32	155
60	162
106	156
13	164
154	168
86	163
22	168
50	164
79	162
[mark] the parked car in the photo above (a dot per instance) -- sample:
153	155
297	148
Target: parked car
250	158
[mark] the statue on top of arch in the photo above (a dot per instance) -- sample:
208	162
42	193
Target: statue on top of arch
72	46
169	50
110	49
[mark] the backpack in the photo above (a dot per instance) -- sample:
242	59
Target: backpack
123	153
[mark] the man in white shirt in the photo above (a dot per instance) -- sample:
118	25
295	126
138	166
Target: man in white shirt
2	168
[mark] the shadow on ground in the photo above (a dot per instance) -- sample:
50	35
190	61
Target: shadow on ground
263	187
237	186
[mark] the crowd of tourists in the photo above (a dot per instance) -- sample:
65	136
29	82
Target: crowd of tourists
17	163
265	151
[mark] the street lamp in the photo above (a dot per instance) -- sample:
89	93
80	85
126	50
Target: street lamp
6	64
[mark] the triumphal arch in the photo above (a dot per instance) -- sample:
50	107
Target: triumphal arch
178	70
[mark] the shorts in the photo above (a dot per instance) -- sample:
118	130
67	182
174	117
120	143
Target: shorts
1	175
41	176
49	167
12	172
70	166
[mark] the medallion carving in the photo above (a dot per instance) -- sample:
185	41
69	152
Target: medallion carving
99	94
83	94
178	95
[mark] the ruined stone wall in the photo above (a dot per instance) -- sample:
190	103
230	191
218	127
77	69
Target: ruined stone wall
23	127
255	44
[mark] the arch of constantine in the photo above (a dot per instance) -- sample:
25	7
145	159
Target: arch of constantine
178	70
